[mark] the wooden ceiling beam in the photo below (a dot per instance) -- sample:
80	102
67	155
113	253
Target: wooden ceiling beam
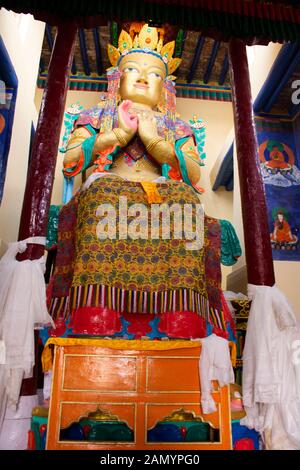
49	37
83	51
98	51
199	47
211	62
224	71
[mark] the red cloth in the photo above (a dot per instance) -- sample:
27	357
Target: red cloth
244	444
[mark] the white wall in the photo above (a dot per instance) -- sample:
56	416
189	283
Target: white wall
23	37
260	60
218	119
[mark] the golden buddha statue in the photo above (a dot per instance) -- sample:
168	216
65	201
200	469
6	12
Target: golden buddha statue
144	154
142	76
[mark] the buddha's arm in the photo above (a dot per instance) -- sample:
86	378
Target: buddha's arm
193	169
163	152
192	160
79	143
103	142
73	151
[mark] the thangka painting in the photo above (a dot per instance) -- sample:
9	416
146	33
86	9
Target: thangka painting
280	169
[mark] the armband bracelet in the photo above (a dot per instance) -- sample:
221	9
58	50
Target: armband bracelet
122	141
153	143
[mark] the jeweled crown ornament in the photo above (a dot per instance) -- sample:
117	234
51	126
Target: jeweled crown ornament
148	40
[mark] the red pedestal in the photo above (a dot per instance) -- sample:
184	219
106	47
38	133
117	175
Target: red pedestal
256	230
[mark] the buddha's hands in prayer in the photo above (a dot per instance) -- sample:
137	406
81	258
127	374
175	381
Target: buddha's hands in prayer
128	122
158	148
147	127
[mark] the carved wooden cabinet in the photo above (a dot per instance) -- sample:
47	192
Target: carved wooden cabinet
138	387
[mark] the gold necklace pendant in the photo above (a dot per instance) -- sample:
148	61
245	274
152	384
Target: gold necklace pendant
138	165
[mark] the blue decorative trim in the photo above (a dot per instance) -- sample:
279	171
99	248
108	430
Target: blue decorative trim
154	333
67	192
284	80
41	66
225	173
165	168
10	79
87	148
285	64
32	135
49	37
183	169
124	332
200	134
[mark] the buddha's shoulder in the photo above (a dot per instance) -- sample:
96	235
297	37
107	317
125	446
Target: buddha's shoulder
182	128
91	115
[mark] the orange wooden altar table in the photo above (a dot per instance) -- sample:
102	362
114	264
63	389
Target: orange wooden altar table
141	382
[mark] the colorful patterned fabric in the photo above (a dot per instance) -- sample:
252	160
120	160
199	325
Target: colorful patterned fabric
93	117
64	264
135	276
51	237
230	245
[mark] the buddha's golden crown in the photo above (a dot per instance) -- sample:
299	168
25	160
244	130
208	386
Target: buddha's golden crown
144	38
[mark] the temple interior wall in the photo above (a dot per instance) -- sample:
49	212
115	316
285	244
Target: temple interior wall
23	38
218	118
287	273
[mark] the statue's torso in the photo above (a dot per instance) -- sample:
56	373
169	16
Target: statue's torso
135	164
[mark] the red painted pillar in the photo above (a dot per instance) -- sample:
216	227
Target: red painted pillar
256	230
43	157
40	177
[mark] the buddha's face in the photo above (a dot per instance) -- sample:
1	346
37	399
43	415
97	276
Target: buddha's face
275	153
142	78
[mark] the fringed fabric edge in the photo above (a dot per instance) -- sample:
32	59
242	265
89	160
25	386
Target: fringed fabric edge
137	302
